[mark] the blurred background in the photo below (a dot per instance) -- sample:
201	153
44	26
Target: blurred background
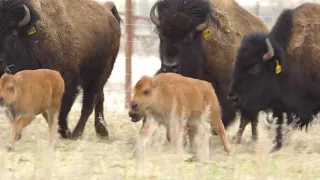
139	43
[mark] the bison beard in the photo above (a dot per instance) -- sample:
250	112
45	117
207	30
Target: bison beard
276	71
80	39
185	49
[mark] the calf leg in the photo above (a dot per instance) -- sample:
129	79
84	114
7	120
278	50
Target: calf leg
201	141
16	127
71	92
147	130
246	117
216	123
99	122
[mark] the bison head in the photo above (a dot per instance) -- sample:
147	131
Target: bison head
179	26
255	79
142	98
16	20
9	85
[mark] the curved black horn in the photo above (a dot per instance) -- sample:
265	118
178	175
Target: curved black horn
204	25
26	18
270	52
153	16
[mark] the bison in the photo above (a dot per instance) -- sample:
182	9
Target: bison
280	70
29	93
179	103
199	39
80	39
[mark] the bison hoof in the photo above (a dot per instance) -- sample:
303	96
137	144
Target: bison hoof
8	148
65	133
101	130
275	148
236	140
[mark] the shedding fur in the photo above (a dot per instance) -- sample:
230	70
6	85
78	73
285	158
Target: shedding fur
80	39
293	44
180	104
29	93
185	50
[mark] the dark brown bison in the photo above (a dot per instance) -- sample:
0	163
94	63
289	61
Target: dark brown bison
80	39
281	70
199	39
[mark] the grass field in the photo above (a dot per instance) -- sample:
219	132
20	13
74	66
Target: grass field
95	158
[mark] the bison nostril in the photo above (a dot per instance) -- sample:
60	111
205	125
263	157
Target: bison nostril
232	96
134	105
175	68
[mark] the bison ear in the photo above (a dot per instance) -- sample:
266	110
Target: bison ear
18	79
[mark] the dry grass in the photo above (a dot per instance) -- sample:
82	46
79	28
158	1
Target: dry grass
94	158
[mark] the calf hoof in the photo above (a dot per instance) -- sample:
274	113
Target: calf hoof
65	133
101	130
8	148
19	137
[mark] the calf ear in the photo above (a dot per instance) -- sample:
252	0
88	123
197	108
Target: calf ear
18	79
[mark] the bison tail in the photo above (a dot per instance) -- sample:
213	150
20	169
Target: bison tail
112	7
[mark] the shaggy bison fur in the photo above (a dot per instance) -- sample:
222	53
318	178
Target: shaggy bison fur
80	39
281	70
199	39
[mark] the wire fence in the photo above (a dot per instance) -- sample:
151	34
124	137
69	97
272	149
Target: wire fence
144	55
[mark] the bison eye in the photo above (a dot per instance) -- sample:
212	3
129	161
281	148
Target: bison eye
146	92
255	70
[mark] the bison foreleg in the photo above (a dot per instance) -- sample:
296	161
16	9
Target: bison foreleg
278	138
99	122
68	99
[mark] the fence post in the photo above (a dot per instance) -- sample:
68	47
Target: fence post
128	50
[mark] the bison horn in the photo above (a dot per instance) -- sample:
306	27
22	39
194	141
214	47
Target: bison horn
153	16
26	18
204	25
270	52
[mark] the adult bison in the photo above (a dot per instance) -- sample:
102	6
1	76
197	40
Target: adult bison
281	70
80	39
199	39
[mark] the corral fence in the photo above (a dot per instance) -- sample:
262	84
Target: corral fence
139	39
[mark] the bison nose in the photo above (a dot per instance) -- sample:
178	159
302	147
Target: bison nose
175	68
134	105
234	97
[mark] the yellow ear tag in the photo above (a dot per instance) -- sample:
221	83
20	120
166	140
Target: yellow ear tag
32	30
206	33
278	67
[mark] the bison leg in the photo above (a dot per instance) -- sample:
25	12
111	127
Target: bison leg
16	127
278	138
88	104
68	99
99	122
245	118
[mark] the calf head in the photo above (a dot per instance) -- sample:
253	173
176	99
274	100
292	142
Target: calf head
179	25
9	88
142	98
255	79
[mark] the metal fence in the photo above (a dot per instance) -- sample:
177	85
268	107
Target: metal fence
138	37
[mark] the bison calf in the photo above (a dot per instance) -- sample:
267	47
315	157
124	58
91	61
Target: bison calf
29	93
179	103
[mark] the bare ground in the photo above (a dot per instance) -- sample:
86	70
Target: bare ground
96	158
